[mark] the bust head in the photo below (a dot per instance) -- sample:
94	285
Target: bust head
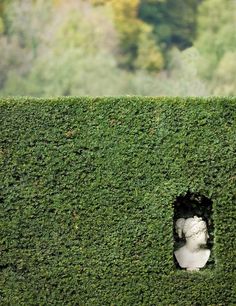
193	229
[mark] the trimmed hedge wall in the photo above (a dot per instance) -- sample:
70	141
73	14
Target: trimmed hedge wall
87	193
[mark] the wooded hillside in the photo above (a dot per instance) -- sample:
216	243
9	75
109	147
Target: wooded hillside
109	47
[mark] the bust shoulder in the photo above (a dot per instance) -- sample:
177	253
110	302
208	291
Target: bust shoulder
192	260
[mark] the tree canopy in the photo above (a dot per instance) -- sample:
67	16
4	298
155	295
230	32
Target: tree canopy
108	47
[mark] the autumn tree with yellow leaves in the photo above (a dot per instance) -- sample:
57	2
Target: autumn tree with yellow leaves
138	47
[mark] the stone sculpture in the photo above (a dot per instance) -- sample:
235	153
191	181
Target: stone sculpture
192	255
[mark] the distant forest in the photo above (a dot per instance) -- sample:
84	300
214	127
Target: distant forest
117	47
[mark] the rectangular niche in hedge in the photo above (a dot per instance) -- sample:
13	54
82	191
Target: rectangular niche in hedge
87	191
193	232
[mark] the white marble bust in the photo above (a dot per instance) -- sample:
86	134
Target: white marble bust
192	256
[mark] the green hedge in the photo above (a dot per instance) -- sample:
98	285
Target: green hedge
87	193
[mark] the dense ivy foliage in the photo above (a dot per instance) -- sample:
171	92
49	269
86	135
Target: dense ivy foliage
88	187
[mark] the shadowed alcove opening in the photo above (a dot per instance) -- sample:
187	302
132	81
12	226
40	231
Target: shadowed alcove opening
188	206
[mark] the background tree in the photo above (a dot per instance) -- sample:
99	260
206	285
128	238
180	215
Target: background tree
138	46
3	4
224	79
25	26
75	57
174	22
217	44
